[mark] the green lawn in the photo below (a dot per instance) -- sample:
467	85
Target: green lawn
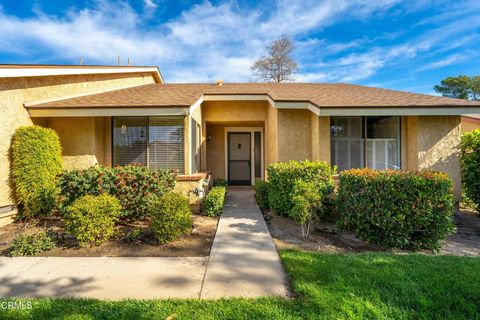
352	286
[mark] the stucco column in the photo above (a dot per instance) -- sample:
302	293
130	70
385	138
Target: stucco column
433	143
271	136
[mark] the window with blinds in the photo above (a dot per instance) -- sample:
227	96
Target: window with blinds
157	142
129	140
166	143
372	142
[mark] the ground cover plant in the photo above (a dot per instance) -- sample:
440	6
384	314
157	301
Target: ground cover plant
30	245
325	286
36	161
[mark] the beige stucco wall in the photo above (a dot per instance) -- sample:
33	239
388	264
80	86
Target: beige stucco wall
470	124
216	115
434	144
320	138
86	141
294	135
14	92
216	150
271	136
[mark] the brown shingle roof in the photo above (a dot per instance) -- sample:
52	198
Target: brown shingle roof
319	94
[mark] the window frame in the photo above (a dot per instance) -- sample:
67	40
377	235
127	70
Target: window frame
112	142
365	139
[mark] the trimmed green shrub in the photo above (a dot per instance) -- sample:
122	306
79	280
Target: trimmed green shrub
213	203
91	219
470	146
308	198
36	161
24	245
261	194
131	184
171	217
220	182
398	209
282	177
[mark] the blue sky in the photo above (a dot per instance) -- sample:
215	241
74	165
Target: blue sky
406	45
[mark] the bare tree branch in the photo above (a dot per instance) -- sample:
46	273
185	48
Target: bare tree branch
278	65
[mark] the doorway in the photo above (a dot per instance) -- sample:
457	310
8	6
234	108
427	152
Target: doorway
239	158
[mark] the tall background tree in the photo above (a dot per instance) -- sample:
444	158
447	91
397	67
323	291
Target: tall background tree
461	87
278	65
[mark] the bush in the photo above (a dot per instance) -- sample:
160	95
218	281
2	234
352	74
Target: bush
36	161
220	183
171	217
396	208
91	219
131	184
471	166
261	194
24	245
282	176
308	198
213	203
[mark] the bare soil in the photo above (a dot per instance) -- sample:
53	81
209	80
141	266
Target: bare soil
195	244
325	237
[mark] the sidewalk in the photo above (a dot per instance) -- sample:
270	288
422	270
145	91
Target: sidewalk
243	262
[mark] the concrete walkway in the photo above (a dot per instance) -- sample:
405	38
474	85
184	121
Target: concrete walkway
243	262
110	278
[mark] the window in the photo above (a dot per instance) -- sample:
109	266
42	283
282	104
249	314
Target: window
382	143
157	142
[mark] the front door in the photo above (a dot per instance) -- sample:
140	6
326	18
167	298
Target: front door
239	158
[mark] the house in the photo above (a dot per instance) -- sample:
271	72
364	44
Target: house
117	115
470	122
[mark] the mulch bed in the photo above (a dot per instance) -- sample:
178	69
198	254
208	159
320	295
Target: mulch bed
195	244
325	237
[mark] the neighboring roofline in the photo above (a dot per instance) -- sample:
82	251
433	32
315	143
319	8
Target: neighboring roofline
28	70
34	103
471	117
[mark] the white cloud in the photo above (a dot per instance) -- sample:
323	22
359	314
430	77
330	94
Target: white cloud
454	58
150	4
209	41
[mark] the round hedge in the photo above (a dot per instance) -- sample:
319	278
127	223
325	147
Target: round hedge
282	177
91	219
170	215
36	161
400	209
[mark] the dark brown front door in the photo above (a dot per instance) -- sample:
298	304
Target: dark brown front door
239	158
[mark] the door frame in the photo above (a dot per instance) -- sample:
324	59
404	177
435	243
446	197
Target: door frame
252	131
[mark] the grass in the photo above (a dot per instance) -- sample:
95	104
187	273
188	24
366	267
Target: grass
329	286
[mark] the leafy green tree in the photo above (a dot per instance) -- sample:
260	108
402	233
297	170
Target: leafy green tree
461	87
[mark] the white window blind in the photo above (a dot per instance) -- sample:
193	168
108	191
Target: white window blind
157	142
166	143
129	140
380	150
